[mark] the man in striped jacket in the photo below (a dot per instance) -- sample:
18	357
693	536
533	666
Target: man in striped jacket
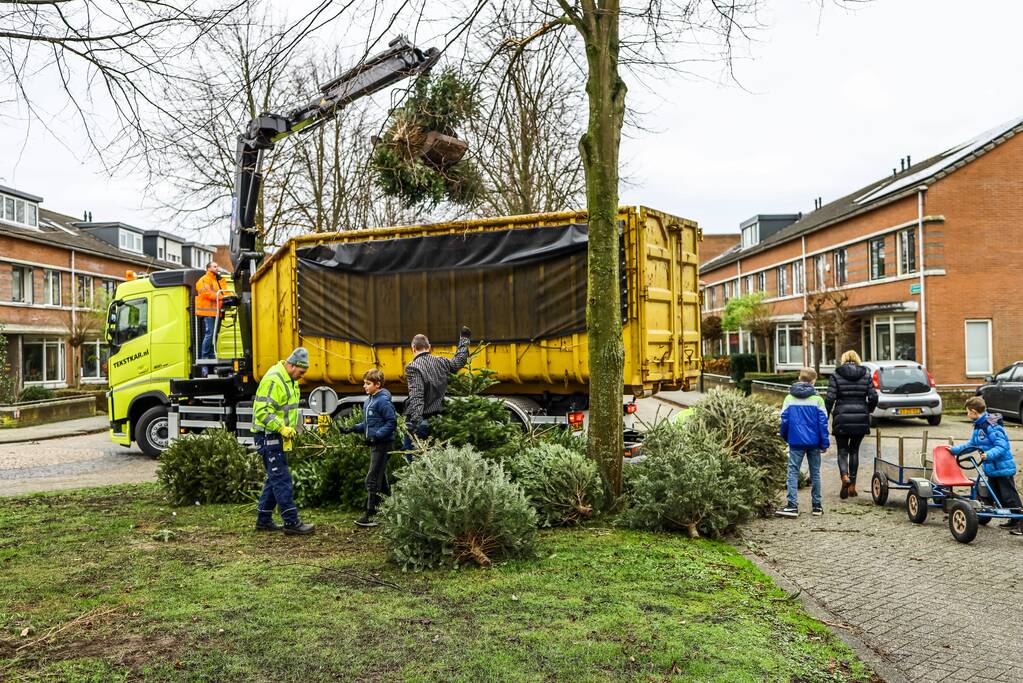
804	426
427	377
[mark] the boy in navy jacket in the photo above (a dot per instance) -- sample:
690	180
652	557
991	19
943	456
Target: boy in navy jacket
804	426
995	457
378	426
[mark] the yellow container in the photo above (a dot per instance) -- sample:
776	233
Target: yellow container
661	332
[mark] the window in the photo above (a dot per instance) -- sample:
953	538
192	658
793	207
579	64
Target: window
978	347
798	279
789	344
907	251
33	214
750	235
130	241
840	258
18	210
761	279
711	291
94	360
783	285
877	258
820	268
132	320
8	208
109	287
22	284
749	284
51	288
42	360
85	292
894	338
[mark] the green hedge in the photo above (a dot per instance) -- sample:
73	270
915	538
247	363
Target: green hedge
743	363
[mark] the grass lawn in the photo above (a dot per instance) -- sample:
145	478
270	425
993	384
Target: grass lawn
100	596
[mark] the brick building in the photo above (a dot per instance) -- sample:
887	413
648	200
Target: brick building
714	244
53	275
925	259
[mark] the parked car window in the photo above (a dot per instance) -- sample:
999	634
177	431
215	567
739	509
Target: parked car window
904	380
1005	375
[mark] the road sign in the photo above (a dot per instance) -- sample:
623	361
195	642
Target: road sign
323	400
914	288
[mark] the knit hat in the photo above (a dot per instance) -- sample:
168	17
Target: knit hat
299	358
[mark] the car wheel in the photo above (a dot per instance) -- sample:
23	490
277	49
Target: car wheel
916	507
962	521
879	489
934	420
152	432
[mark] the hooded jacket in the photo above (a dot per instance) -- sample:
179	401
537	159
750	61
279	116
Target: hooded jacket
804	422
989	436
379	419
851	399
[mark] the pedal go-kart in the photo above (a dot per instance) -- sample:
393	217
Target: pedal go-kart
965	512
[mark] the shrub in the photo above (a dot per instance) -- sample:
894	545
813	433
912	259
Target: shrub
748	429
7	375
689	481
562	484
718	366
453	506
741	363
211	467
34	394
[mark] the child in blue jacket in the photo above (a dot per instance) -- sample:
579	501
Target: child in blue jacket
379	424
804	426
996	459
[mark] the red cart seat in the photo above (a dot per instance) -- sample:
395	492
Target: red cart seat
946	469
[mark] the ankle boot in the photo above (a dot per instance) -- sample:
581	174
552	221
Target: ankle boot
843	492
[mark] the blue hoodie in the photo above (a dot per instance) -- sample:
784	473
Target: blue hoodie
989	436
379	419
804	421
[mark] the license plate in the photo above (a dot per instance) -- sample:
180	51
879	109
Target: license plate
909	411
576	427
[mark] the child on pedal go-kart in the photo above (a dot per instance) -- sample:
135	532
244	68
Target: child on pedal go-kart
990	439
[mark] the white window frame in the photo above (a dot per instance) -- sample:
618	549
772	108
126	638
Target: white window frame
820	270
49	278
89	379
785	330
798	277
966	350
749	284
782	280
840	266
61	346
761	280
900	237
750	235
85	296
28	288
129	241
889	321
10	206
874	275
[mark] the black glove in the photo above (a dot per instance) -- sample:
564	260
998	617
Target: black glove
351	430
465	333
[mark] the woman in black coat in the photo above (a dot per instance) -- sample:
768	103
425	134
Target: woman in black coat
850	401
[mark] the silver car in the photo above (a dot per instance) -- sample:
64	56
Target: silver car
904	389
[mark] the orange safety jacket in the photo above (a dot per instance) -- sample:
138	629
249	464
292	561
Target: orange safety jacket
206	304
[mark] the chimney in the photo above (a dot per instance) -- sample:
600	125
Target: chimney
909	162
902	163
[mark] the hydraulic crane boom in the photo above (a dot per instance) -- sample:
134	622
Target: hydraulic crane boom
399	61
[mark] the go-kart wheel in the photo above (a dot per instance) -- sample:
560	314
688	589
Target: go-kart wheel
962	521
879	489
916	507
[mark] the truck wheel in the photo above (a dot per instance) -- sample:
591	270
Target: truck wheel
962	521
879	489
916	507
151	432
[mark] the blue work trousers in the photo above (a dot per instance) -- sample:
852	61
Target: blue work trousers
422	431
813	459
208	322
278	491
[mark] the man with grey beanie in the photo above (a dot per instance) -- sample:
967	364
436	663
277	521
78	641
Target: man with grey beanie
275	419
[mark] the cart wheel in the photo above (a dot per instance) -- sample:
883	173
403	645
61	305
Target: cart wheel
916	507
879	489
962	521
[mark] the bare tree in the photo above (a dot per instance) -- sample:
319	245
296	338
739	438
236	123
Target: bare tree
827	321
106	55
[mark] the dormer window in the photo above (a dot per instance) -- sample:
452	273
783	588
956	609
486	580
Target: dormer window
750	235
130	241
19	211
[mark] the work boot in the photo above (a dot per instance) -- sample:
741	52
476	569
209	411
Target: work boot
272	526
852	489
366	521
300	529
843	492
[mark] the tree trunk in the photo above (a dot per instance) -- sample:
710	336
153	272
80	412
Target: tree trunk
599	148
756	350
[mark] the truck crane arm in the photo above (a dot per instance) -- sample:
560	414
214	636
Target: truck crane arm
399	61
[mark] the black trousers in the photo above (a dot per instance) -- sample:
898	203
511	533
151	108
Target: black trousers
849	454
1005	489
376	478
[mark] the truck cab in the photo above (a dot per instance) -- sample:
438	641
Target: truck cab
153	336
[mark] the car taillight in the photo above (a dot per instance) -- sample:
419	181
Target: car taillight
930	378
877	379
576	418
630	408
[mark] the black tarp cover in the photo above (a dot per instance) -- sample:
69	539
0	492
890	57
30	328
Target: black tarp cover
519	284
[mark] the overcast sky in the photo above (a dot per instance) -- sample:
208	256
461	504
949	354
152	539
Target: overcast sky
827	102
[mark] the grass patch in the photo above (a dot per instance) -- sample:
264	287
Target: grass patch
101	596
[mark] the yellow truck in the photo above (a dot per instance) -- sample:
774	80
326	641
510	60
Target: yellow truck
355	299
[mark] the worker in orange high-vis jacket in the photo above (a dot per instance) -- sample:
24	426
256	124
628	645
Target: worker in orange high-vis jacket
207	305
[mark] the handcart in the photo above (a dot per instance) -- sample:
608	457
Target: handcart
889	474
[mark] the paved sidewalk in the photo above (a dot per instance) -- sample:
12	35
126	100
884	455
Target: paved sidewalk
55	430
931	608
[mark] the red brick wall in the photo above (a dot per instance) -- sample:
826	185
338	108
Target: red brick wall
711	247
